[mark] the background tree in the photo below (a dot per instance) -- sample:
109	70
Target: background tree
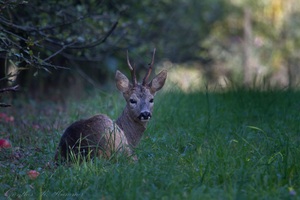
243	41
54	36
258	42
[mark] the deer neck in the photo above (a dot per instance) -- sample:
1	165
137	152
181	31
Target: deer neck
132	128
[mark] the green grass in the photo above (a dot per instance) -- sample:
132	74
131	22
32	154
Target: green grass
233	145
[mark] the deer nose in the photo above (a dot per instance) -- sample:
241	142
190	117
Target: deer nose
145	115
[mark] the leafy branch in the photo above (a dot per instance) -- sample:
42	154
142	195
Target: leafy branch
35	45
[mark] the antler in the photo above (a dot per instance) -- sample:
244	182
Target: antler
132	71
149	69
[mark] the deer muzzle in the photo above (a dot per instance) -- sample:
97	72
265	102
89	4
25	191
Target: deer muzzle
145	116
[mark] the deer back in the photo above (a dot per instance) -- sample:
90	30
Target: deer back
95	136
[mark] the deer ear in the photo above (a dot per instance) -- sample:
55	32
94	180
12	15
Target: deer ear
158	81
122	82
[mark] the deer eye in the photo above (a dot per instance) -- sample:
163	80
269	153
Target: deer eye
151	100
132	101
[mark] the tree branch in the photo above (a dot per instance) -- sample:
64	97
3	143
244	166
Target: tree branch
59	51
4	105
96	43
10	89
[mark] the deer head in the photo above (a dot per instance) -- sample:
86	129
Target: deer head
140	97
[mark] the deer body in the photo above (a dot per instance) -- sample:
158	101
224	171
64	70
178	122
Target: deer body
101	136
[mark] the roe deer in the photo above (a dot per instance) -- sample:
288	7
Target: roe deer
101	136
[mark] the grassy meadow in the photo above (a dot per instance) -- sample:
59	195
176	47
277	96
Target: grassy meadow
238	144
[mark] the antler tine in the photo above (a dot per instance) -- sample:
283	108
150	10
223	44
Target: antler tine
132	71
149	69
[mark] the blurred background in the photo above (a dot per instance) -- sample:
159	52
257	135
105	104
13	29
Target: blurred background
56	47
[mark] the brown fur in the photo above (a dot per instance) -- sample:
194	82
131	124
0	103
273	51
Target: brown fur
98	135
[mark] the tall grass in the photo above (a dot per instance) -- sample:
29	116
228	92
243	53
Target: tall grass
208	145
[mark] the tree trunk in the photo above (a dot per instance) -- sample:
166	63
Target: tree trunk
248	58
3	82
